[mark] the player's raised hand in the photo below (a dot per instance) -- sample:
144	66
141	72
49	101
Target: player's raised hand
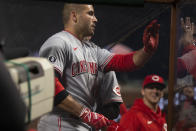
151	37
187	29
94	119
186	25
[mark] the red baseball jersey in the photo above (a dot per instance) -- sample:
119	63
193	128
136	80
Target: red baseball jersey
142	118
187	61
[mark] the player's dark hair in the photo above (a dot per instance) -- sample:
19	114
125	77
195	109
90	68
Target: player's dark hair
68	8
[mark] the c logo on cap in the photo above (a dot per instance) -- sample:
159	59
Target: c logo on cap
155	78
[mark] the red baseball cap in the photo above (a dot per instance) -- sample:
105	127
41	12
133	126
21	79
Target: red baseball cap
153	79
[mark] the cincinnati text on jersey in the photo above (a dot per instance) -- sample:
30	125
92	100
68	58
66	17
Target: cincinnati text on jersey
84	67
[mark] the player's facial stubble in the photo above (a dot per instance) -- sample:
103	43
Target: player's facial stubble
87	21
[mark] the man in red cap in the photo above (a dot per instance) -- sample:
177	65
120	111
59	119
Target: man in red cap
145	114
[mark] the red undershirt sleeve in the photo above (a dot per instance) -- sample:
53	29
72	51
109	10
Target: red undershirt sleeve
188	48
58	86
121	62
60	91
181	68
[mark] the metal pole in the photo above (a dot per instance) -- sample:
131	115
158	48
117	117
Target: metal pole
172	66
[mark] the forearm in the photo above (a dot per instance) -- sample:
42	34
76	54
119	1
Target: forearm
141	57
63	99
121	63
71	105
91	118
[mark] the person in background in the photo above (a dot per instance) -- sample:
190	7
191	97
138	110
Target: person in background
145	114
186	61
186	109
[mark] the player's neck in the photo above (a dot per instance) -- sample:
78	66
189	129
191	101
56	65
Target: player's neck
152	106
74	33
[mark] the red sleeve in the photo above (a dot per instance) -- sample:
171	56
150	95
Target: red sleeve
58	86
123	109
188	48
187	62
60	90
121	62
181	68
130	121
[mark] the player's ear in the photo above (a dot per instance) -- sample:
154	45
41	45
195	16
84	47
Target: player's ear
142	91
74	16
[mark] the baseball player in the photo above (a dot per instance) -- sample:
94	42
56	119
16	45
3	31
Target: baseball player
108	95
186	62
77	61
109	100
145	114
